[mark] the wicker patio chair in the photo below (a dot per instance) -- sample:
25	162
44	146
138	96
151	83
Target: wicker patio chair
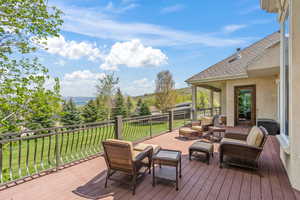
202	124
120	156
243	150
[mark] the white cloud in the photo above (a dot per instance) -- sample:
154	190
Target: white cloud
112	8
84	75
80	83
91	22
71	49
233	27
133	54
173	8
140	87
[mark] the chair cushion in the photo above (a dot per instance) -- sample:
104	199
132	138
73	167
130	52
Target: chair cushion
143	146
136	153
255	137
122	142
206	121
233	141
197	128
186	130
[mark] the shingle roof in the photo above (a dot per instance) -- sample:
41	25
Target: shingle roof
236	64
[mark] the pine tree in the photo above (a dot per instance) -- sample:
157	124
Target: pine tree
102	110
139	103
119	108
90	112
129	106
70	115
144	110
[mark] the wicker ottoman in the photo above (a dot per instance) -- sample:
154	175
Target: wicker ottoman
202	147
187	132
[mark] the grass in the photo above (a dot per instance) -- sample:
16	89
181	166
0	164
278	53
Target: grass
39	154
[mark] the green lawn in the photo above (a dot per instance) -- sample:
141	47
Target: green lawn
73	146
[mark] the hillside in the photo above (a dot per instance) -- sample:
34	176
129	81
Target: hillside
183	95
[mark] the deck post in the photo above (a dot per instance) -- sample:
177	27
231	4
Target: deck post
118	127
171	118
57	151
194	102
212	102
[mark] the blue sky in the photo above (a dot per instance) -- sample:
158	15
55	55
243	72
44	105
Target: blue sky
138	38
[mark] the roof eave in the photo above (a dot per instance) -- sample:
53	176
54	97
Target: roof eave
269	5
219	78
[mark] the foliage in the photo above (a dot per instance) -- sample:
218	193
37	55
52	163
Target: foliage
106	88
165	94
43	108
22	77
139	102
119	107
90	112
202	100
102	110
70	114
129	106
22	20
144	110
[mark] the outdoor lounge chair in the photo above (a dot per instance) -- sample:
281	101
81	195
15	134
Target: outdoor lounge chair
202	124
120	156
243	149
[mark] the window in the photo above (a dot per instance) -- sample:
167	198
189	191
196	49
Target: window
285	57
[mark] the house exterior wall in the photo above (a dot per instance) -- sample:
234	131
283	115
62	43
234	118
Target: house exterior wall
290	146
290	152
266	97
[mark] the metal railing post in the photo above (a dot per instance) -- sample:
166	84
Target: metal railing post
57	150
150	126
118	127
171	119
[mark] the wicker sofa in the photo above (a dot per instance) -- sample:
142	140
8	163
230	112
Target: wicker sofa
242	149
121	156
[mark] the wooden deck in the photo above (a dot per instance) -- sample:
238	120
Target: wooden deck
199	180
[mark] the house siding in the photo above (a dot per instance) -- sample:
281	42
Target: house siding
291	160
266	97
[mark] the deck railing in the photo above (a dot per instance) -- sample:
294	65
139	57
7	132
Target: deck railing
208	112
31	153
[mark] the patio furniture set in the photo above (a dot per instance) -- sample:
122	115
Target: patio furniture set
136	161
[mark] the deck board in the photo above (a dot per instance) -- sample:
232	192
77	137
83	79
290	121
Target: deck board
199	180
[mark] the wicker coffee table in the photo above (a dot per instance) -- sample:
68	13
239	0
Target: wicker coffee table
170	158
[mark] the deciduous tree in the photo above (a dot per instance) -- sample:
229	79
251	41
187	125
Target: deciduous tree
165	94
22	77
106	89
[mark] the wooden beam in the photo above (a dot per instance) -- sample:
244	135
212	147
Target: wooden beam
209	87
